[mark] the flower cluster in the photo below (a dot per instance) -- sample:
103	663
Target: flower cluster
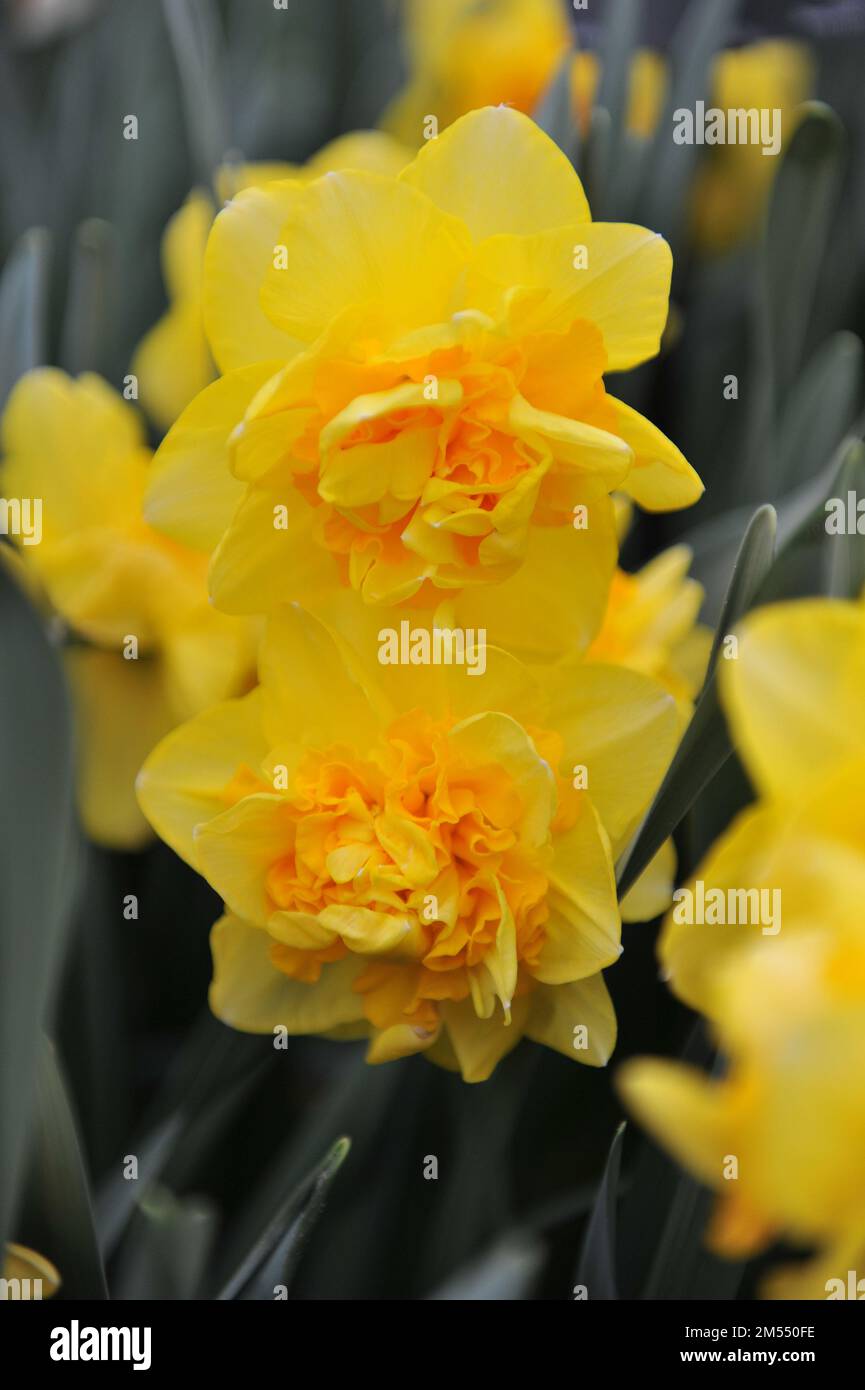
787	1003
412	426
144	648
525	42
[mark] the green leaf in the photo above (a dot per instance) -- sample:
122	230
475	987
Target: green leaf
803	565
846	567
116	1202
596	1268
618	41
801	210
291	1223
198	46
169	1243
669	167
683	1267
504	1273
57	1212
87	321
706	743
554	112
37	871
752	565
23	298
820	410
214	1074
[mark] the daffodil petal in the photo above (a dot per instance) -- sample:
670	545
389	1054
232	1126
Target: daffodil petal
268	554
479	1044
19	1262
356	239
307	685
235	849
556	600
652	893
794	695
582	934
661	478
122	711
192	495
622	727
184	780
472	169
558	1015
610	274
248	992
681	1109
240	249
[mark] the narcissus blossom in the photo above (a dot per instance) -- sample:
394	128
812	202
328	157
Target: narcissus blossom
781	1138
792	699
733	183
145	647
172	361
410	854
785	988
650	624
463	55
413	382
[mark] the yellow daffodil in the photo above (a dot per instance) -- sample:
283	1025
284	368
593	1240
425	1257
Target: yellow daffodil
413	394
650	625
776	956
791	697
172	361
647	87
781	1138
734	181
146	648
27	1274
410	854
463	55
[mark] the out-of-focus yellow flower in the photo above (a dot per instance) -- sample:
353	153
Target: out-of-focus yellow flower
792	699
172	361
778	961
147	649
733	183
372	151
781	1138
647	87
463	55
27	1274
414	386
650	625
410	854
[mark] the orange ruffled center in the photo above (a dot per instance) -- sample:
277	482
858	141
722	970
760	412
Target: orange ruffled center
418	859
416	474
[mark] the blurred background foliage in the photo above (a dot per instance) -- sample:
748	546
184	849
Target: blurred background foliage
245	1181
